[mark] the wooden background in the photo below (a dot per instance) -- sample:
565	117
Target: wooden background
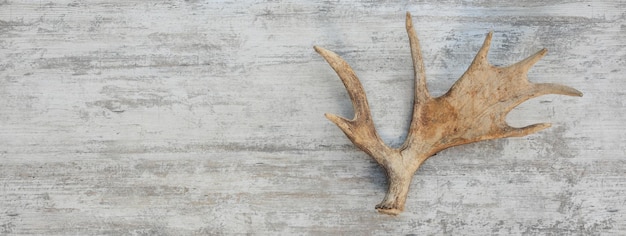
129	117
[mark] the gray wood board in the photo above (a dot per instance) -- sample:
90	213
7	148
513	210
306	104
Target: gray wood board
206	117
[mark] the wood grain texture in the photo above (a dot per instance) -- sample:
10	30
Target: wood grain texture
206	117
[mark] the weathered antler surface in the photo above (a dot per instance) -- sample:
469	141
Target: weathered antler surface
474	109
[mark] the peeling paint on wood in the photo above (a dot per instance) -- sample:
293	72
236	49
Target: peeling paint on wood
206	117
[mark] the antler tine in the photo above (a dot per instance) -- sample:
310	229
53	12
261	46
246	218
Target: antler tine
481	56
350	81
509	131
360	130
353	86
521	68
421	90
536	90
527	63
549	88
539	89
421	95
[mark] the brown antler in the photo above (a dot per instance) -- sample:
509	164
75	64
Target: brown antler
474	109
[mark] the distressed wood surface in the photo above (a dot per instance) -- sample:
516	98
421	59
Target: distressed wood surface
206	117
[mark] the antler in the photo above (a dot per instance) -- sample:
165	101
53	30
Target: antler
474	109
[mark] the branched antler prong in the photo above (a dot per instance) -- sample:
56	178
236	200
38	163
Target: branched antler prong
360	130
343	123
549	88
481	56
350	81
421	90
523	131
528	62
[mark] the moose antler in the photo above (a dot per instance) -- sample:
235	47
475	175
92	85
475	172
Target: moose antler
474	109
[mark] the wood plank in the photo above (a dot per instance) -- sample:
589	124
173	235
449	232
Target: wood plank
206	117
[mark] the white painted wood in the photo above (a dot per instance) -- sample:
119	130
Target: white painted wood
206	117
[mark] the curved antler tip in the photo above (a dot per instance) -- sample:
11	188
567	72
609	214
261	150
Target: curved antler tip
323	51
335	118
541	53
481	56
574	92
527	63
536	128
541	126
523	131
343	123
328	55
549	88
409	20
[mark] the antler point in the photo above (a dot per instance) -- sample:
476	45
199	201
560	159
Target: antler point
318	49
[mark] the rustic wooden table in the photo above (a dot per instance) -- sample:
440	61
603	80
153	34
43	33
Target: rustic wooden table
206	117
